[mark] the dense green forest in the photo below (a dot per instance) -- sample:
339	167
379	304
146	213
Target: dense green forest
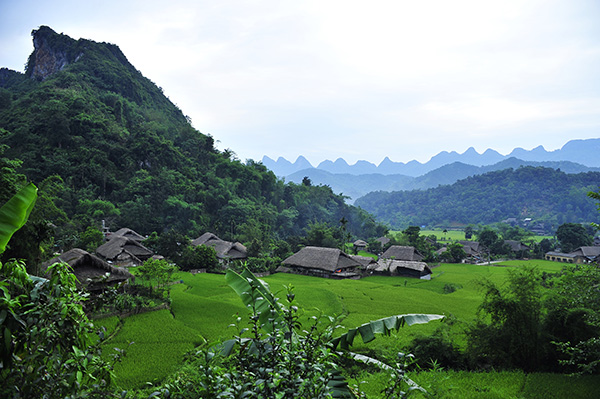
543	194
102	142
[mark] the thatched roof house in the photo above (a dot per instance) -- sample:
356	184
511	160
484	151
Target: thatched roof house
399	252
322	262
586	254
360	245
364	261
91	271
127	233
124	251
392	267
516	246
225	250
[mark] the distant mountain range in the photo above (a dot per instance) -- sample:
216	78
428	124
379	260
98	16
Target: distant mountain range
356	180
584	152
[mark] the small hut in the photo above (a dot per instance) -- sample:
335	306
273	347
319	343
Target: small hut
360	245
225	250
124	251
322	262
392	267
91	272
400	252
127	233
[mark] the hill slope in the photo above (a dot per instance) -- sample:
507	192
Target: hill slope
129	156
544	194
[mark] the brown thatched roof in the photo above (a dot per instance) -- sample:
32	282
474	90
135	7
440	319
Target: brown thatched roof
516	246
588	252
360	243
328	259
395	266
204	238
128	233
400	252
364	260
224	249
118	246
471	248
88	268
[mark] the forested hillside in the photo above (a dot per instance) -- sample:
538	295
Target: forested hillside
543	194
104	143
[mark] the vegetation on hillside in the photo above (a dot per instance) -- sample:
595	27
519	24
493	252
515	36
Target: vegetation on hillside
108	145
546	195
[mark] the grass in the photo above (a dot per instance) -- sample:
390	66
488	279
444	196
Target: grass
203	307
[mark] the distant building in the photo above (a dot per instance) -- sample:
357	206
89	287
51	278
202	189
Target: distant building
400	252
225	250
391	267
91	272
322	262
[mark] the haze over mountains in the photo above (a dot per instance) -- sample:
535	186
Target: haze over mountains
356	180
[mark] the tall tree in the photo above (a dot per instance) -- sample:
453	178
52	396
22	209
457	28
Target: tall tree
571	236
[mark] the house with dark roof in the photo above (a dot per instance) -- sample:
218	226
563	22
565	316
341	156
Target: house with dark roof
322	262
225	250
518	248
364	261
586	254
360	245
392	267
472	249
127	233
124	251
91	272
400	252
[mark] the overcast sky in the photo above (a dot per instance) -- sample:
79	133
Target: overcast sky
351	79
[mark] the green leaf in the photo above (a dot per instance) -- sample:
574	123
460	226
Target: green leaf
368	330
255	293
14	214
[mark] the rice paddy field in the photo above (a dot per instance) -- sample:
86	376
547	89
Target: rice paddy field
203	308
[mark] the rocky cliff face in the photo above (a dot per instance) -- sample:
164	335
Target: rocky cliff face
52	53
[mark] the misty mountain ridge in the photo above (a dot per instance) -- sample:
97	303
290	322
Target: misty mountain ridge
584	152
356	186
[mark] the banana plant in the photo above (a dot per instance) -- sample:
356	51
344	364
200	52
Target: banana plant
270	314
15	212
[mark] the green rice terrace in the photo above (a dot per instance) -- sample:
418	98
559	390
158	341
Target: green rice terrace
204	306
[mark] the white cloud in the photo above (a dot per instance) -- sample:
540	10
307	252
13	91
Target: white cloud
406	79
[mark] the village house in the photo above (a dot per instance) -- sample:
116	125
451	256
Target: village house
580	255
225	250
360	245
127	233
472	249
322	262
123	251
406	268
400	252
91	272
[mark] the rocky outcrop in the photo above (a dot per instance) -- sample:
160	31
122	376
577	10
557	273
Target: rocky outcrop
52	53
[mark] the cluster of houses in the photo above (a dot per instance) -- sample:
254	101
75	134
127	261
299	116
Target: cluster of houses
124	248
333	263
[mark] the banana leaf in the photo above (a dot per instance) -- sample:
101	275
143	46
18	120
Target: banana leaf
383	326
15	212
255	293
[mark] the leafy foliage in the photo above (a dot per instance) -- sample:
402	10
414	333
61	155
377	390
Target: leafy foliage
129	156
48	349
544	194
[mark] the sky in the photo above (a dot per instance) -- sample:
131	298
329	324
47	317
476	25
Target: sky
357	80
